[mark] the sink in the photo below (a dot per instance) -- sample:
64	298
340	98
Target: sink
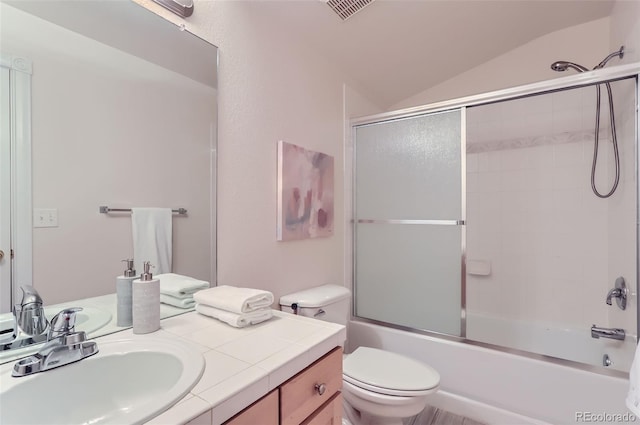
129	381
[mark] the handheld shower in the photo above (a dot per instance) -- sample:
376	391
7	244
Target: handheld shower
561	66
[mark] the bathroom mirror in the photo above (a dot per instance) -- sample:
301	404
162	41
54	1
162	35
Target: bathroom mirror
123	114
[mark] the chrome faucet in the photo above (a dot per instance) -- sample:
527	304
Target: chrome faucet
28	316
63	346
29	322
611	333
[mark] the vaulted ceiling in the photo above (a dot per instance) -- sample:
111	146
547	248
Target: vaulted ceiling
397	48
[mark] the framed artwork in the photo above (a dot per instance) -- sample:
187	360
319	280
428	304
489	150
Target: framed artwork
305	193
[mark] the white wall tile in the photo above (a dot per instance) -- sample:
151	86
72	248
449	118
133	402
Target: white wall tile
551	229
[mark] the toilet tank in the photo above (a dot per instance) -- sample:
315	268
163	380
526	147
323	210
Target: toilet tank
327	302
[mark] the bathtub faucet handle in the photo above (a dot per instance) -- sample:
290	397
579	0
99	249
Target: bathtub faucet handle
620	293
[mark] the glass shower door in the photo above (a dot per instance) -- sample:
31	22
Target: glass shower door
409	222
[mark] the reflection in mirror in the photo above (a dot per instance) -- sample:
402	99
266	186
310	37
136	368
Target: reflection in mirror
123	114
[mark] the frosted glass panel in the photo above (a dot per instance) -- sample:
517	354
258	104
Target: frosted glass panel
409	275
409	168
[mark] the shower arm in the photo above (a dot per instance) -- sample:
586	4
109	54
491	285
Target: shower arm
619	53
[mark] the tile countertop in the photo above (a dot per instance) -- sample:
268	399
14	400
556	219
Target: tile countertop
242	365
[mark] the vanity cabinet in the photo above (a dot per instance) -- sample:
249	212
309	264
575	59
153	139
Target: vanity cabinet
263	411
310	389
312	397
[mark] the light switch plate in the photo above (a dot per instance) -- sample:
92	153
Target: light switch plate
45	217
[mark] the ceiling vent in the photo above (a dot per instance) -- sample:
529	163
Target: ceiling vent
347	8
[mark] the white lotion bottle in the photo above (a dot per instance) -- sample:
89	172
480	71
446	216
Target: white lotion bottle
146	302
124	295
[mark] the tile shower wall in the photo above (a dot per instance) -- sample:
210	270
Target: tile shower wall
532	216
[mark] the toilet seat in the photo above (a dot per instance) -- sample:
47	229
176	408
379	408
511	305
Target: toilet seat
388	373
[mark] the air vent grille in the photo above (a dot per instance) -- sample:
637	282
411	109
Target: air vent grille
347	8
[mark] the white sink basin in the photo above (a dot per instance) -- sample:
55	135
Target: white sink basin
127	382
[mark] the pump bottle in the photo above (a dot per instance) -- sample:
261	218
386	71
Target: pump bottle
124	295
146	302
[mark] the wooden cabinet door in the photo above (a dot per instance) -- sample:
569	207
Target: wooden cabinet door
329	414
310	389
264	412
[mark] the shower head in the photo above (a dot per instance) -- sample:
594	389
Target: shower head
619	54
564	65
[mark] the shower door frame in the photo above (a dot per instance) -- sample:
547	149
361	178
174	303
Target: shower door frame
545	87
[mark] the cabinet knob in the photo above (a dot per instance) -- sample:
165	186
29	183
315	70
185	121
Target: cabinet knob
321	388
1	254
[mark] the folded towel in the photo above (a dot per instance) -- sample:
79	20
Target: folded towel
187	302
234	319
152	238
179	286
235	300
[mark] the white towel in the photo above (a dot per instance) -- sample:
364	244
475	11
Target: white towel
152	239
179	286
233	299
186	302
633	396
234	319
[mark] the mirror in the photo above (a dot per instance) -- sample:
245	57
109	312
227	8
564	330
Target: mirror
123	114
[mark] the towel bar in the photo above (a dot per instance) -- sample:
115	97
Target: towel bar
106	210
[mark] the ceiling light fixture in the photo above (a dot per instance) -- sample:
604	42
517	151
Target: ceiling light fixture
182	8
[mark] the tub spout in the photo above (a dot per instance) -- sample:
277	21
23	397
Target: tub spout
611	333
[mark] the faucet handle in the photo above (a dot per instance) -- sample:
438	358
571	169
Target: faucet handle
63	323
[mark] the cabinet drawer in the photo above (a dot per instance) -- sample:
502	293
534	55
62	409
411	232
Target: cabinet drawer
329	414
263	411
300	396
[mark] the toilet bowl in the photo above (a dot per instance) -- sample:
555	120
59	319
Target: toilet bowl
384	387
379	386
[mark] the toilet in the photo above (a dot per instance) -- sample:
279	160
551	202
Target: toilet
378	386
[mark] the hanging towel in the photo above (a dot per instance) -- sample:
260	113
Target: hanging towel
233	299
186	302
152	240
633	397
179	286
234	319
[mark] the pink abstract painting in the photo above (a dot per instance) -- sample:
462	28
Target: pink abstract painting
305	193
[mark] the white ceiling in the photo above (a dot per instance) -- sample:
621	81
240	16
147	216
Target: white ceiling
398	48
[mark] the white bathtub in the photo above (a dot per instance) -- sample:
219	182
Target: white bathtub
548	339
501	388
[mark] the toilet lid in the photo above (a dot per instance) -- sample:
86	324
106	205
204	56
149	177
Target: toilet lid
389	373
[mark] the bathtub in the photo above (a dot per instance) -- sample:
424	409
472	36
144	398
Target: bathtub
502	388
548	339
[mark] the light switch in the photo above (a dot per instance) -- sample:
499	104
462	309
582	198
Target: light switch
45	217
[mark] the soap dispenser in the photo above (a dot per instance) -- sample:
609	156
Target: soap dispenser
146	302
124	295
